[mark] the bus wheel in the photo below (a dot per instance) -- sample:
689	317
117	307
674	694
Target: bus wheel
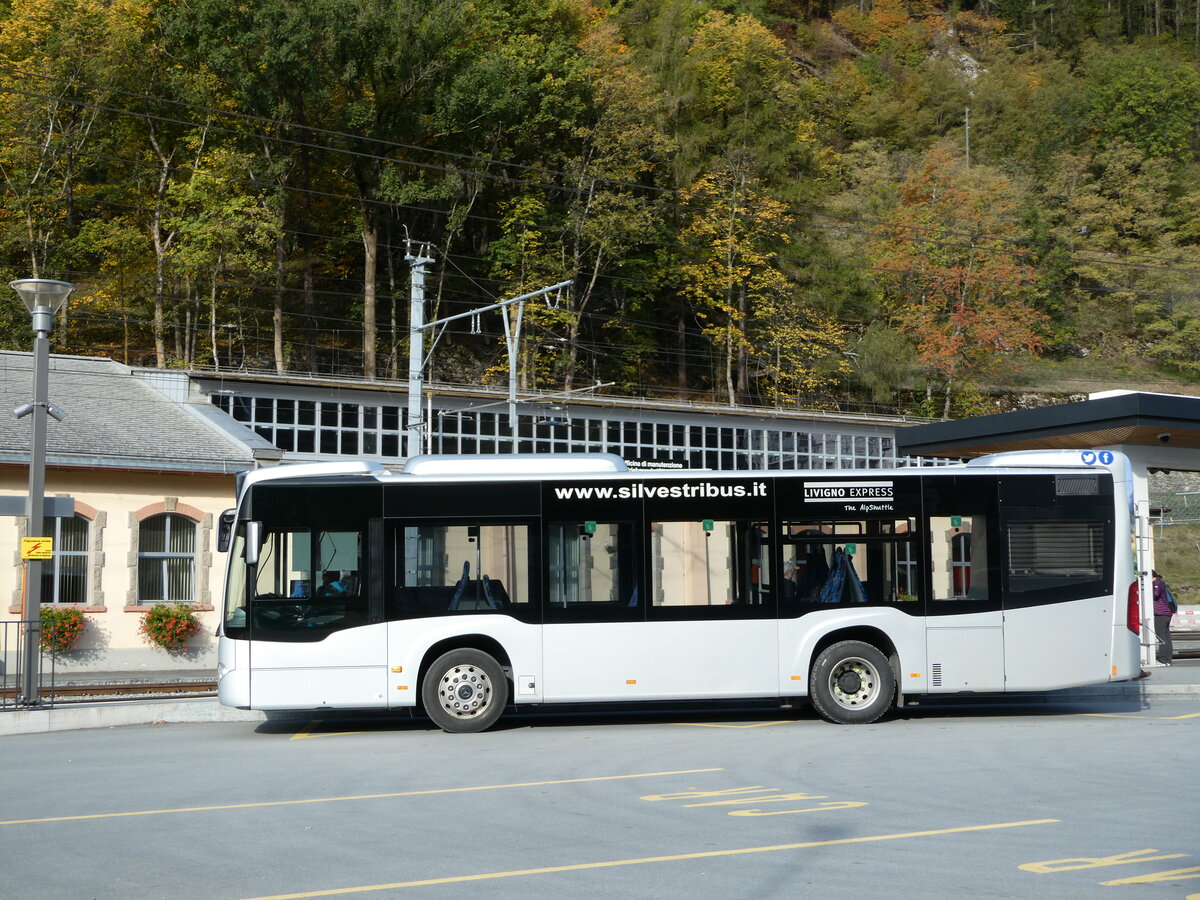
464	690
851	683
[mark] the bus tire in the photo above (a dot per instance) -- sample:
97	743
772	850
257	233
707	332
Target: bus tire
464	691
851	683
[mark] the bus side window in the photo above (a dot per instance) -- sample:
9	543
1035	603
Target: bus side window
710	563
591	563
449	569
849	561
958	546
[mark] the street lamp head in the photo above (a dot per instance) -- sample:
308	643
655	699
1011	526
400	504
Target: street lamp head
57	413
37	293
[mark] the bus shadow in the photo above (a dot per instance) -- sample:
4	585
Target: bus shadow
1001	707
316	723
339	722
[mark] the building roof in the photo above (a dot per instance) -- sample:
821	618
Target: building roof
1104	420
116	419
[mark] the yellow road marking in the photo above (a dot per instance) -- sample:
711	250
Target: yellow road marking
459	790
614	863
1072	864
1195	715
308	732
1153	877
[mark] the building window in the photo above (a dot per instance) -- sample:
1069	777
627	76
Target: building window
960	563
166	560
64	576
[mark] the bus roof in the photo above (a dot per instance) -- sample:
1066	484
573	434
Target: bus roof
516	464
528	466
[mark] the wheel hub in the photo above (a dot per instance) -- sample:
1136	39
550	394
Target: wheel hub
465	691
854	683
849	682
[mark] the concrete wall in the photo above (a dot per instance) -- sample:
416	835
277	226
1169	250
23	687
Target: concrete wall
115	502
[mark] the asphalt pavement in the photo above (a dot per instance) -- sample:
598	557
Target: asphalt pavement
1179	680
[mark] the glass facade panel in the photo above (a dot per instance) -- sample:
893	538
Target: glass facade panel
351	429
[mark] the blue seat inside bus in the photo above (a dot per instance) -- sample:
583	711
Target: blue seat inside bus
471	595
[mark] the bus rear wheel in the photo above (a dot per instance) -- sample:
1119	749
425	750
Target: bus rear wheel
464	691
851	683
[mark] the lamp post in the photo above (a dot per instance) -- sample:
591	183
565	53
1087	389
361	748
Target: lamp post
43	299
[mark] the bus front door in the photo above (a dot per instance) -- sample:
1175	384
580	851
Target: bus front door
312	641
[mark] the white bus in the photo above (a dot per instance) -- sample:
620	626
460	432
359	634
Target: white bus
468	585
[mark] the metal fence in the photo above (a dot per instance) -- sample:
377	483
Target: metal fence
13	668
1184	508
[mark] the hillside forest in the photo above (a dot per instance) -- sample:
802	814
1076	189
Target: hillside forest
896	204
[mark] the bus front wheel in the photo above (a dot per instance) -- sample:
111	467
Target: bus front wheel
464	691
851	683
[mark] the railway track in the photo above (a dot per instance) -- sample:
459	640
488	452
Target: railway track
99	693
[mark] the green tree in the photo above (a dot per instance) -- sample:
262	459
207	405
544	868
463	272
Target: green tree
1147	98
1024	111
223	224
1108	211
385	64
617	145
745	105
59	59
261	55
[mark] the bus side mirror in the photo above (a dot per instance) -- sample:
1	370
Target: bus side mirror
253	542
225	530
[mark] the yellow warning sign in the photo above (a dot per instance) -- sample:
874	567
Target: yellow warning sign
37	548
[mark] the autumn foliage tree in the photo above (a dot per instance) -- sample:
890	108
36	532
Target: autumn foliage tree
957	282
754	316
723	182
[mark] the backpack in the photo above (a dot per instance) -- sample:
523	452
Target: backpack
1170	598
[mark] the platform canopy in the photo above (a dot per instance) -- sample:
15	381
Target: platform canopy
1155	430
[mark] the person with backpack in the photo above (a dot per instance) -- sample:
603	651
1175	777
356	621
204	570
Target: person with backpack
1164	607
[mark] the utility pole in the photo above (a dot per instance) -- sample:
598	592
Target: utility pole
417	326
416	346
967	134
